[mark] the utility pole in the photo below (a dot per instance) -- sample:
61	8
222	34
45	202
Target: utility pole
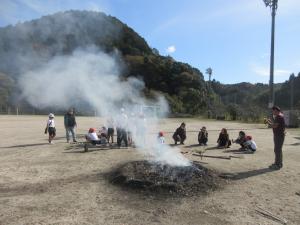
292	91
273	5
209	72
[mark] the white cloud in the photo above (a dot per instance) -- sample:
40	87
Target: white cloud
265	71
171	49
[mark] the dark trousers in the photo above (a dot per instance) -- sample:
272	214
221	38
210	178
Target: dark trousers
278	142
179	138
202	140
122	136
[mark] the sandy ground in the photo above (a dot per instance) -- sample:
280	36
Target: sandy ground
58	184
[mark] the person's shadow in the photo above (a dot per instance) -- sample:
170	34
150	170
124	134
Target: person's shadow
298	143
245	174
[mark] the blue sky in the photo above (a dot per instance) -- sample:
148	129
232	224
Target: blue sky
232	37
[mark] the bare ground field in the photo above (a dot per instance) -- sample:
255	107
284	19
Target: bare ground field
59	184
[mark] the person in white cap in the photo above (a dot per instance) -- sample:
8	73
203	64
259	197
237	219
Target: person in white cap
50	128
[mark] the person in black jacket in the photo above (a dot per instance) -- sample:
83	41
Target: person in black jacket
241	139
70	124
278	126
223	140
180	134
203	136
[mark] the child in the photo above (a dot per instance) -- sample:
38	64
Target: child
241	139
223	140
50	128
103	135
92	136
160	138
203	136
250	144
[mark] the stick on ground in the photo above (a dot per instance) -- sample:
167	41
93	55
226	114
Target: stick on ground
270	215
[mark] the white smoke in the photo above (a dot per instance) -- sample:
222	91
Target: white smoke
93	77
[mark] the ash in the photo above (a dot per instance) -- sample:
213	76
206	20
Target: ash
165	179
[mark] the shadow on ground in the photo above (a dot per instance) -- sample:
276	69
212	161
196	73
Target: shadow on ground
26	145
246	174
238	151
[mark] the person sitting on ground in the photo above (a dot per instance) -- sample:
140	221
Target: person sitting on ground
180	134
160	138
50	128
92	136
241	139
250	145
203	136
103	135
223	140
103	132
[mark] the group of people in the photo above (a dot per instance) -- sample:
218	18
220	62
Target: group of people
70	125
129	129
125	133
246	141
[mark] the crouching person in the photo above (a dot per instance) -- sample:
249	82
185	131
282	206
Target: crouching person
160	138
203	136
180	134
241	140
250	144
223	140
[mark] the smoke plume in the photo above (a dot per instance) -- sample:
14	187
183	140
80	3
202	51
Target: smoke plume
93	77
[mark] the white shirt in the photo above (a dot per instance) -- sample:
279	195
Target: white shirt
252	144
50	123
160	140
122	121
92	136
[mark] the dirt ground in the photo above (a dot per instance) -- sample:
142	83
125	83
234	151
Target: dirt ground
59	184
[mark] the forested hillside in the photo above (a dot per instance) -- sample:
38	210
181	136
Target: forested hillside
27	46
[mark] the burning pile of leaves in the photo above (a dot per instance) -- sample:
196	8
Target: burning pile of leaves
165	179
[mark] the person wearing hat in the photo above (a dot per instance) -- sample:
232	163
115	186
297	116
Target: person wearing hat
160	138
92	136
278	126
50	128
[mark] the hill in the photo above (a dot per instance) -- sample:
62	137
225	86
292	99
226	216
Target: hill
31	45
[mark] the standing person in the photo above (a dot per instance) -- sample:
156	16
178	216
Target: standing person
278	126
122	124
223	140
203	136
70	124
110	129
180	134
141	129
50	128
